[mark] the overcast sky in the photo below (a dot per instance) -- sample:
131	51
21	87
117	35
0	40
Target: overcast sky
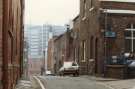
50	11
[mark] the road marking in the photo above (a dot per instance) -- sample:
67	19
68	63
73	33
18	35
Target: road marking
133	88
40	83
106	85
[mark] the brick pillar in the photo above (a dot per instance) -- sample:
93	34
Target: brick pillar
5	61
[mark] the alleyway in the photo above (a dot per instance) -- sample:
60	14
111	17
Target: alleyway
82	82
71	83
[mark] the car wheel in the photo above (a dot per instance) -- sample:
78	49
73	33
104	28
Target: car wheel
60	74
77	74
74	74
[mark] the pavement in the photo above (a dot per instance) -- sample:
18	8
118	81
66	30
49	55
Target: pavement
113	83
82	82
121	84
24	84
30	83
102	79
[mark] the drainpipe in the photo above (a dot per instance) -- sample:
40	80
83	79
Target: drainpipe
106	16
105	41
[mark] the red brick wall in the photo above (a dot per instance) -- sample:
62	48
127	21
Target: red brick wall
12	32
35	65
0	43
76	30
63	46
50	58
90	27
118	5
60	52
118	23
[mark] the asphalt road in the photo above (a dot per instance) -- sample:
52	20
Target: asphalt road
57	82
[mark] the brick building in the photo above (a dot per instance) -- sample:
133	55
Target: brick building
88	36
34	66
106	29
1	43
75	33
11	40
50	55
64	47
63	50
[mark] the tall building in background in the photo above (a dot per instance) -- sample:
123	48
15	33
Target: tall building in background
37	38
48	32
34	36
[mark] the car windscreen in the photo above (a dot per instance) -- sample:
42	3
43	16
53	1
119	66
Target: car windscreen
67	64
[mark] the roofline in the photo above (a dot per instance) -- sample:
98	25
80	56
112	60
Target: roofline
126	1
113	11
76	17
58	37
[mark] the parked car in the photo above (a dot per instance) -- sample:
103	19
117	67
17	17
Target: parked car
69	68
131	69
48	72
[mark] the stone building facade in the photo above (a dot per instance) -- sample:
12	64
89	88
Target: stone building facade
75	33
59	49
89	37
11	40
63	50
106	27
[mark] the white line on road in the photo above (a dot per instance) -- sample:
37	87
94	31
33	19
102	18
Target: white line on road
40	83
133	88
106	85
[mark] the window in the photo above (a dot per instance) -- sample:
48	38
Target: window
91	47
91	6
75	54
84	51
91	3
84	8
130	38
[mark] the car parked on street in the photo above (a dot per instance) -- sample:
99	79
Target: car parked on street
69	68
48	72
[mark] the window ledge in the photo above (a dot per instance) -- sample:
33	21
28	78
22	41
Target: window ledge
91	9
83	61
84	18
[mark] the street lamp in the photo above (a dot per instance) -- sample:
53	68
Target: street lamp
105	29
105	42
43	67
68	27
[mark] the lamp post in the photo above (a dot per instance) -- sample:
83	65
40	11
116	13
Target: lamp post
105	41
105	29
43	66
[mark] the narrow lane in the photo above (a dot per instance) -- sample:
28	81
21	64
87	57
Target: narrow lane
70	83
